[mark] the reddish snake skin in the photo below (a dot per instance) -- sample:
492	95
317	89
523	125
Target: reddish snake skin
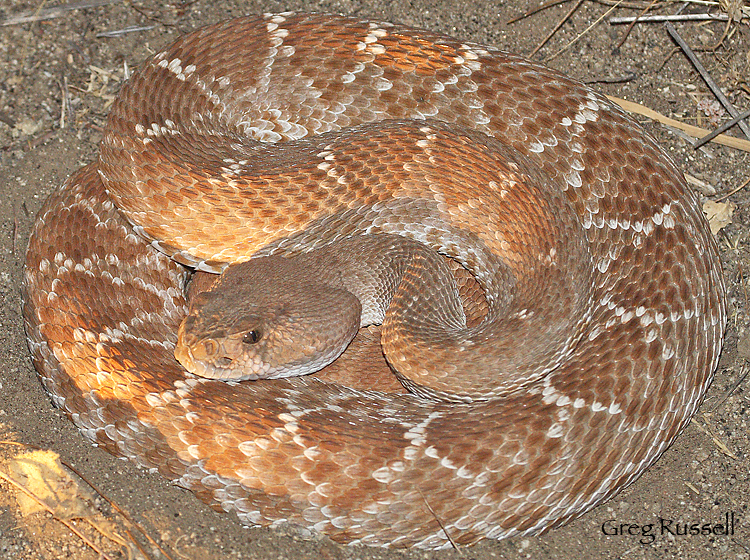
102	306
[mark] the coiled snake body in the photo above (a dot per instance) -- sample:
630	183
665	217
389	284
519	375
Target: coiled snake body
603	264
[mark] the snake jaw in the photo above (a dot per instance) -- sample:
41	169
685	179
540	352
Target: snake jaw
216	354
219	358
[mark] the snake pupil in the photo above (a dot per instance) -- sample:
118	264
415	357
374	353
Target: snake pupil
251	337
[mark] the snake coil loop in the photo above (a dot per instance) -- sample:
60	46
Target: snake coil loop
188	161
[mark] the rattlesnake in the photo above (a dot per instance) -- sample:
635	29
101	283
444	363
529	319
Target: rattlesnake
103	302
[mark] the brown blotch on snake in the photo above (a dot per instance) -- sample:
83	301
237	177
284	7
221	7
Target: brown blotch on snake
279	135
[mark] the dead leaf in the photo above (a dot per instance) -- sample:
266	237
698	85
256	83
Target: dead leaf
719	214
41	473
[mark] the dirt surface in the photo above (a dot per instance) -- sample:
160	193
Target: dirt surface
704	476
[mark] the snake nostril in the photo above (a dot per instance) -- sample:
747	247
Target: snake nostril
210	347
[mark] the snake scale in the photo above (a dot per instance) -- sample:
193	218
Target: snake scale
284	133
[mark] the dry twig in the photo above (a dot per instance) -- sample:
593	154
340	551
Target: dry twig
558	26
533	11
663	18
720	444
726	126
439	522
728	393
54	12
694	131
589	28
730	193
707	78
630	27
125	30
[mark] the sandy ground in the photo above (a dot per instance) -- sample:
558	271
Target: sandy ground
700	479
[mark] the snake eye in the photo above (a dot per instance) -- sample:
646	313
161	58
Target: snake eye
253	336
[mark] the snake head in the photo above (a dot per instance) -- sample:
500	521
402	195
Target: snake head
252	330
